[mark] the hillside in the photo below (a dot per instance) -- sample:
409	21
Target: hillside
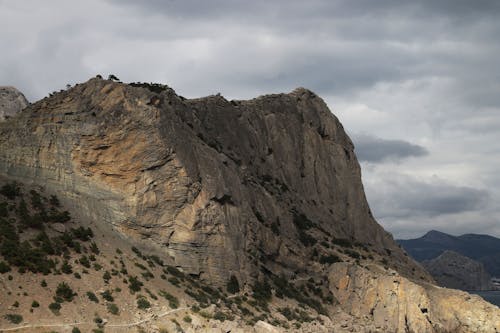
204	215
453	270
482	248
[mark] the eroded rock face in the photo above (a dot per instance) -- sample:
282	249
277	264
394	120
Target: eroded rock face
11	102
389	302
453	270
214	184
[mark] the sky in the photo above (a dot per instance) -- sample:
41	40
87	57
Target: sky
416	84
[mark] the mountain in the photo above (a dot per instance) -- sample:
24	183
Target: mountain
482	248
11	102
453	270
241	215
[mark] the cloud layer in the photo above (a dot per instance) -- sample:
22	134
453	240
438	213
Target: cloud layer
419	79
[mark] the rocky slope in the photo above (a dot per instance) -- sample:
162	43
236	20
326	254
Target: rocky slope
453	270
11	102
265	192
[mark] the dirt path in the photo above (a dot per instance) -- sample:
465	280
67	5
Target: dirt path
68	325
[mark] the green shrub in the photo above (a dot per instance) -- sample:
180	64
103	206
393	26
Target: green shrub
92	297
55	307
106	277
173	302
233	286
262	292
11	190
143	303
76	330
4	267
65	292
66	267
35	304
329	259
14	318
113	308
134	284
187	319
107	296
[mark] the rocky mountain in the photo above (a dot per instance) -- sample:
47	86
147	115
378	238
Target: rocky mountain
11	102
482	248
453	270
261	199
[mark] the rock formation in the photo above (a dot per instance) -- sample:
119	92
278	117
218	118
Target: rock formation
264	189
11	102
453	270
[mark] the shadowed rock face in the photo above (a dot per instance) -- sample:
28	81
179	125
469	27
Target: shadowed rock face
11	102
453	270
214	184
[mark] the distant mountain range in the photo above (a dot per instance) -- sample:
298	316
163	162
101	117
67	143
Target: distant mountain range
482	248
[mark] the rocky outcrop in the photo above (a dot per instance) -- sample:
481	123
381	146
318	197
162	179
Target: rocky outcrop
11	102
222	187
453	270
388	302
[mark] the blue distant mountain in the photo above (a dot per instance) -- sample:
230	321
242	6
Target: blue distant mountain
483	248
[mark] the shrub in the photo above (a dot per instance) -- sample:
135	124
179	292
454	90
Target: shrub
173	302
134	284
14	318
35	304
84	261
262	292
107	296
187	319
76	330
113	308
54	201
11	191
55	307
92	297
143	303
43	283
4	267
329	259
65	292
233	286
106	277
66	267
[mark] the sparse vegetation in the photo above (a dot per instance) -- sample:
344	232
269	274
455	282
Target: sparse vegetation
113	308
173	302
143	303
14	318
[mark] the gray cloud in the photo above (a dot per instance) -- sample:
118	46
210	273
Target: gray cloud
400	196
369	148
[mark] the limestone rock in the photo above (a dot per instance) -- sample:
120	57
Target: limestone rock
11	102
393	303
453	270
216	185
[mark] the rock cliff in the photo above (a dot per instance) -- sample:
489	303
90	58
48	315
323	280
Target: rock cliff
11	102
453	270
219	186
267	189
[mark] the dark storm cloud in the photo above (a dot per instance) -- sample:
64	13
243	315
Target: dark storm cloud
376	150
401	196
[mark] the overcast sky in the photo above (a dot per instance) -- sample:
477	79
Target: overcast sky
415	83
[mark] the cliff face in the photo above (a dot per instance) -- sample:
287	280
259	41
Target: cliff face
11	102
214	184
453	270
256	189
